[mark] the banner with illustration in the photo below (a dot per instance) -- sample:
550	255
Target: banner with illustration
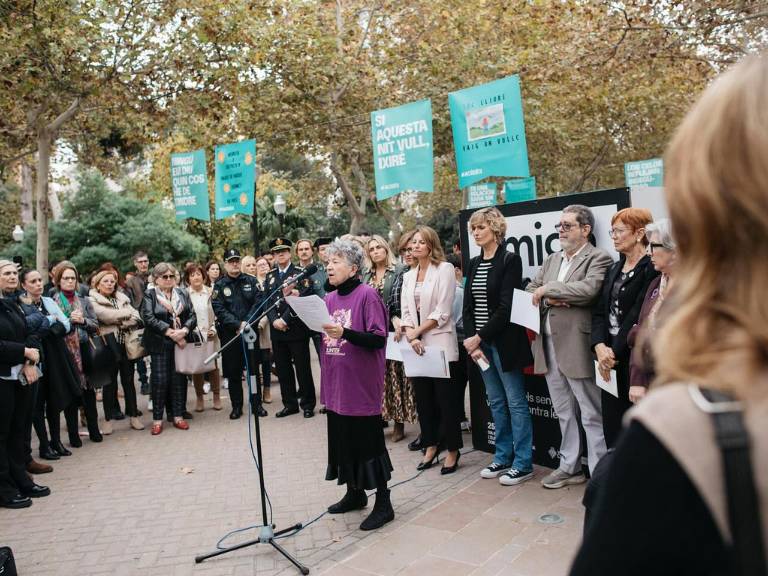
489	131
520	190
235	178
189	181
402	149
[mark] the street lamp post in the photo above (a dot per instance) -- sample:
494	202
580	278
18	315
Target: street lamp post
280	207
18	237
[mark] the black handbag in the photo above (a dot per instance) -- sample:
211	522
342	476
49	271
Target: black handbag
98	360
7	563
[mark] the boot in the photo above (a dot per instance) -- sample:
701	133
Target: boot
382	511
216	389
266	395
136	423
354	499
200	403
398	433
106	427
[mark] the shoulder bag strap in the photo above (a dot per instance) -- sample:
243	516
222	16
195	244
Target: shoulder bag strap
743	504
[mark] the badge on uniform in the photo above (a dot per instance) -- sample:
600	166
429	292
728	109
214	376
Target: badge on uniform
247	287
227	292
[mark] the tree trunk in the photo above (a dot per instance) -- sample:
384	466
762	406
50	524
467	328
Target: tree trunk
27	194
43	207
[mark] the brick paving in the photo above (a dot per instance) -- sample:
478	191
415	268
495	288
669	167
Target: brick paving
138	504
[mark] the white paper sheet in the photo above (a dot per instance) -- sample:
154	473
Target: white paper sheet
611	386
393	348
311	310
432	363
524	312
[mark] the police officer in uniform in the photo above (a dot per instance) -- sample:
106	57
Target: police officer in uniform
236	296
290	336
321	276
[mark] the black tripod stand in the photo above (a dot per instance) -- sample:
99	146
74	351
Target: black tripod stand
267	534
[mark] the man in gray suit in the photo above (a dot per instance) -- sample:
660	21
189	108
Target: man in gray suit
565	288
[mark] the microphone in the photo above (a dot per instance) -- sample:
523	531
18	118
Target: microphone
308	271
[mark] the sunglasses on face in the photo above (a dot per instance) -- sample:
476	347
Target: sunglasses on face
167	276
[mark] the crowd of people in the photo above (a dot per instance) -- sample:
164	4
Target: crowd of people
599	317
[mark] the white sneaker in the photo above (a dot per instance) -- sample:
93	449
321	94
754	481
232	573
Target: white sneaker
493	470
206	388
149	404
515	476
225	384
559	478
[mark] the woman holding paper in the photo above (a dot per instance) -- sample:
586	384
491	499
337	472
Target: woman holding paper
352	359
427	306
500	348
618	309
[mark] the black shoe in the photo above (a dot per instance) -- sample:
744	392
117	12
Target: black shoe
187	415
18	501
353	500
118	416
451	469
36	491
58	447
286	412
236	413
95	437
323	410
309	413
424	465
145	389
49	453
382	512
260	412
415	446
384	423
75	442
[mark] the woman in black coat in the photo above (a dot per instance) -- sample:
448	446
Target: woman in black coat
169	318
19	352
618	309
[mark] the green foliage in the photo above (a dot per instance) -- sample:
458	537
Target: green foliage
10	200
100	225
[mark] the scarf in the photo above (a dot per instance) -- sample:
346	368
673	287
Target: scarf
174	306
659	301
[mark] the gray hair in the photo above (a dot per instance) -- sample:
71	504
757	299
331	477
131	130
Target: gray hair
583	214
162	268
663	229
351	251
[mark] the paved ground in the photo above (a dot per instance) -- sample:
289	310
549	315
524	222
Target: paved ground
138	504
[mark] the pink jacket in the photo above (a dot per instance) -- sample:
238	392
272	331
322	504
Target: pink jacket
437	294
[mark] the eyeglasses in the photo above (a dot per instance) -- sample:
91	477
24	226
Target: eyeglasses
566	226
168	276
68	278
654	245
613	232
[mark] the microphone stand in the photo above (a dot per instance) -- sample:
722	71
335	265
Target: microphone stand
267	533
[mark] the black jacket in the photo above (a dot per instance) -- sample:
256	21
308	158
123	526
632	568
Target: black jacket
157	319
235	300
297	330
14	335
511	340
630	302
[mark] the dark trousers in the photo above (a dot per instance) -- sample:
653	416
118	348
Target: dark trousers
439	407
141	368
613	408
88	402
167	384
295	353
460	377
37	419
265	367
15	413
124	368
233	359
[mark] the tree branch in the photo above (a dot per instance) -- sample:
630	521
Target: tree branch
64	116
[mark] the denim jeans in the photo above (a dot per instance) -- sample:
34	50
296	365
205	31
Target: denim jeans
509	408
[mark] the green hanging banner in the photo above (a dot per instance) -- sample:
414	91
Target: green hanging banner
489	131
402	149
189	182
481	195
520	190
235	178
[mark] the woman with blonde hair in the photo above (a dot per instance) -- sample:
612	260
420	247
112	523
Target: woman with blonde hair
427	306
678	499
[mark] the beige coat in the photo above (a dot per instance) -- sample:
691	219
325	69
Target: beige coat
437	294
572	326
112	319
671	414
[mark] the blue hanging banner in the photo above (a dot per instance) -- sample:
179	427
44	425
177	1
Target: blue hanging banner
520	190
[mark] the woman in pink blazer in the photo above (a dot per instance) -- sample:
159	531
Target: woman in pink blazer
427	303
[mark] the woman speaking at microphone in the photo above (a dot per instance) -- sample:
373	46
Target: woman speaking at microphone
353	366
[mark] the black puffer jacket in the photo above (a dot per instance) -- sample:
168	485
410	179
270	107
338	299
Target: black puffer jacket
157	319
14	335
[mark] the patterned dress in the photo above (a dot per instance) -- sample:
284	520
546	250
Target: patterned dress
399	403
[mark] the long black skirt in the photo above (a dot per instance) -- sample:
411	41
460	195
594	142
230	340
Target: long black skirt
357	455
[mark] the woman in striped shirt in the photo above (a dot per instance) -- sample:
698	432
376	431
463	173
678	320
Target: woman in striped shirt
500	348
